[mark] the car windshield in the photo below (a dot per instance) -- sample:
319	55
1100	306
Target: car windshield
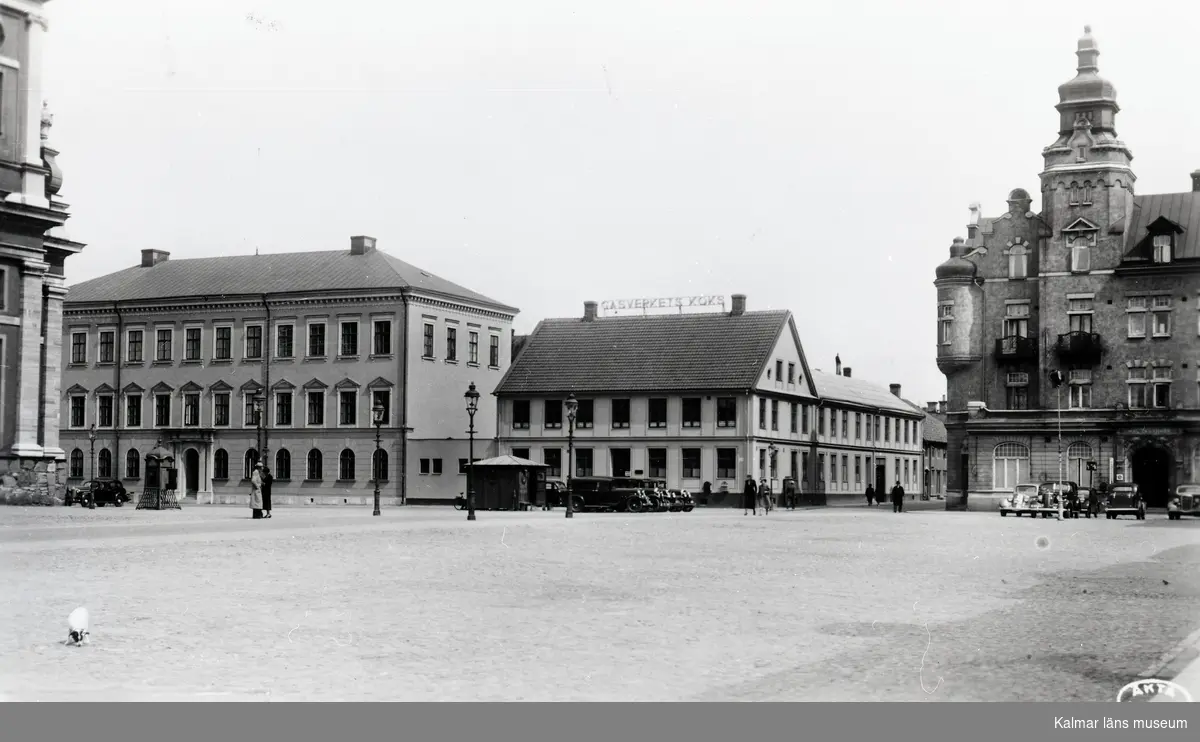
1188	489
1026	489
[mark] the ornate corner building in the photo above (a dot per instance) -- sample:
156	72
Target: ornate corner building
1103	286
33	251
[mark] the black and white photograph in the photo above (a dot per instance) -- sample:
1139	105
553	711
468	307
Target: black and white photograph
624	352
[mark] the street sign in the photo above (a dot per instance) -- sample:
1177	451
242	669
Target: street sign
1091	466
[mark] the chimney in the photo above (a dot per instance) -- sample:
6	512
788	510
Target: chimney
931	407
895	389
152	257
589	311
837	365
1196	181
846	372
361	245
739	305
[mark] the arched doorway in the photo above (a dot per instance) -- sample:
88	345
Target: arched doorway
191	467
1152	474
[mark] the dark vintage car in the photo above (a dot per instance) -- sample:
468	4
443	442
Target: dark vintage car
1125	499
1186	501
1091	502
1050	493
101	491
686	502
620	494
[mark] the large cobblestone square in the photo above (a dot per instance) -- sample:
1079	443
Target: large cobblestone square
838	604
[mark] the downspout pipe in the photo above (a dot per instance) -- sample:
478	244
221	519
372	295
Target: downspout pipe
119	410
264	455
404	402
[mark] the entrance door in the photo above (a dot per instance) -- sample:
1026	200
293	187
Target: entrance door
881	479
620	462
1152	473
191	466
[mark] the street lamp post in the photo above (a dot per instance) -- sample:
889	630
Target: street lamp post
92	488
472	397
377	417
258	410
1056	380
572	410
771	451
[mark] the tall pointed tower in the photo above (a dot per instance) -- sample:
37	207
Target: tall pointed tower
1087	182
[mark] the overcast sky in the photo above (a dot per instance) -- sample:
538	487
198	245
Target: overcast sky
816	156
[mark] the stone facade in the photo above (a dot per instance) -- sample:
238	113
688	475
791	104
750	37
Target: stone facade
33	252
1102	287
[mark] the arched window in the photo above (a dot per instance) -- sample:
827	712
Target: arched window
104	464
133	464
250	460
1010	466
1078	454
1018	262
379	466
283	464
346	465
314	466
76	470
221	464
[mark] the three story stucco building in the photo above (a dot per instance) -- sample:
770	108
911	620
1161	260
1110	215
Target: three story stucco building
178	351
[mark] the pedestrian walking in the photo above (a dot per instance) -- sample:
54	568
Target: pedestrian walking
267	478
256	502
897	498
764	496
750	497
870	495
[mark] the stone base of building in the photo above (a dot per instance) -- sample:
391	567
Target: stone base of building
32	481
300	500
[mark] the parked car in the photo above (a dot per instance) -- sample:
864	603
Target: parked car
105	492
1185	502
686	503
1051	493
1125	499
619	494
1022	500
1090	502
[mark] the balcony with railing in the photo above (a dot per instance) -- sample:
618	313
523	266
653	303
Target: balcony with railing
1016	349
1080	347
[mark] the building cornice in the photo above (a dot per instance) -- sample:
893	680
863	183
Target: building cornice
457	305
211	305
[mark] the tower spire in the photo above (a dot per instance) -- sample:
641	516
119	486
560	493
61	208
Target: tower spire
1087	51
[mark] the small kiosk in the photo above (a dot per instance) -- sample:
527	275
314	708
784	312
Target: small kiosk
508	483
161	481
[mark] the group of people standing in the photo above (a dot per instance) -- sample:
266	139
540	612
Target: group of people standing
756	496
260	492
897	494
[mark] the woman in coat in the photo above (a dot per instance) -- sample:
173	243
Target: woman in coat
256	501
750	497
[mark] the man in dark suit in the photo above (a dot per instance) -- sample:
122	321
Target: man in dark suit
750	497
897	498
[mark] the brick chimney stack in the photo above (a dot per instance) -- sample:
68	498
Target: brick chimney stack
895	389
152	257
361	245
846	372
837	365
739	305
589	311
1196	181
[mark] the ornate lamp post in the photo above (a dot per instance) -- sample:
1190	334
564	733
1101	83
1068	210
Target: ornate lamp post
92	489
572	410
771	452
258	410
1056	381
377	417
472	398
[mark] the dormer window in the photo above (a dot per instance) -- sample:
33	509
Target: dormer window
1162	248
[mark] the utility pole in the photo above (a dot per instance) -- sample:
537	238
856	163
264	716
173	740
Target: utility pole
1056	380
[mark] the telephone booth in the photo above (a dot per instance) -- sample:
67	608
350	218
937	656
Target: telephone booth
159	489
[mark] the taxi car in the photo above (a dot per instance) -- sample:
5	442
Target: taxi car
1125	499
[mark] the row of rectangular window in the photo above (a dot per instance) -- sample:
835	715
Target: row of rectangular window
428	341
1147	315
314	470
799	465
1080	243
726	463
222	350
690	417
348	409
1143	392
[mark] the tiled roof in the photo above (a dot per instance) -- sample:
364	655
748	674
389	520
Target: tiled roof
677	352
933	429
238	275
1181	208
857	391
